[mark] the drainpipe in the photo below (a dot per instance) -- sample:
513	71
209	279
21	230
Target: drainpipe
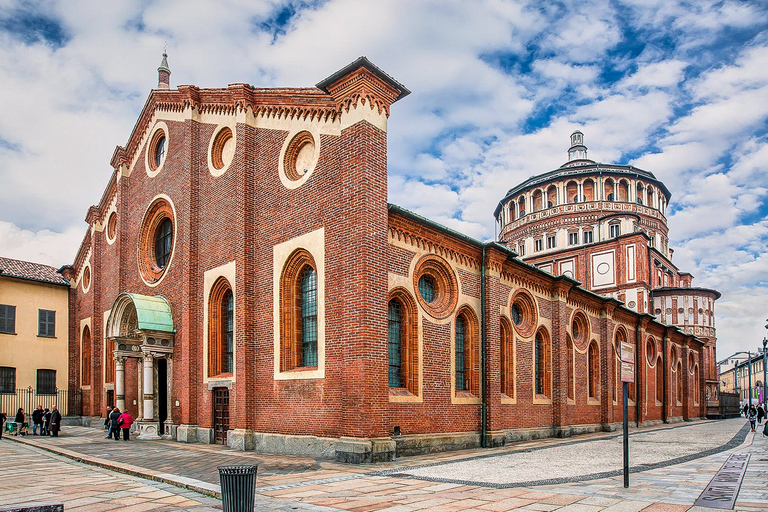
484	386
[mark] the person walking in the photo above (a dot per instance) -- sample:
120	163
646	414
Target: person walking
125	421
19	420
106	420
746	409
114	428
752	416
46	422
37	420
55	421
760	413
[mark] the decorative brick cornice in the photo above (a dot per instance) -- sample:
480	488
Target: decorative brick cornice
402	230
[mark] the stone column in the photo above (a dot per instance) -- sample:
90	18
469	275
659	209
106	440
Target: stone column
140	381
148	394
120	382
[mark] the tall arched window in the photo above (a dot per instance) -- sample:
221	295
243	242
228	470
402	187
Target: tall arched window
507	359
593	357
403	342
163	242
467	352
679	382
570	373
221	329
85	379
298	311
543	368
659	381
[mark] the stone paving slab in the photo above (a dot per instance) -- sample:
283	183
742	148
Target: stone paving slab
295	483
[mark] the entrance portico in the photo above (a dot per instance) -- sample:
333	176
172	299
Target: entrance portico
141	327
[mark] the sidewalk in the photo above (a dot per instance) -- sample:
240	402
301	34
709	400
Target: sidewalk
581	474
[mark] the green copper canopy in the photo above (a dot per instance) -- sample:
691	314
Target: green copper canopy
153	313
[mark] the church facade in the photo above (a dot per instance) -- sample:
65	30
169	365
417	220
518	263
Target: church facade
244	281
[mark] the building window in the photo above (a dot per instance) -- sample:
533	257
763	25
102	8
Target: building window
7	319
427	288
615	230
7	379
461	332
537	245
570	373
551	244
395	344
163	242
594	370
588	237
679	383
573	238
221	329
543	371
659	381
309	317
46	323
521	249
159	151
507	359
46	382
85	379
403	339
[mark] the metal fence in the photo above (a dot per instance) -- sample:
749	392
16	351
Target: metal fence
68	402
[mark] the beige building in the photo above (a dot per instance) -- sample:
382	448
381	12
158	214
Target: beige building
34	332
735	377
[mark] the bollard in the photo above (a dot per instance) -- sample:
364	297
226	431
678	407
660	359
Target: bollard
238	487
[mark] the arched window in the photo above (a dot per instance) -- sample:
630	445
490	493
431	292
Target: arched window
679	382
85	379
537	201
521	207
572	192
609	190
298	311
466	352
570	370
696	390
659	381
163	242
403	342
593	357
507	359
221	329
551	196
623	191
543	368
589	190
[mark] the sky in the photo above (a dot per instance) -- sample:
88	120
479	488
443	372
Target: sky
678	88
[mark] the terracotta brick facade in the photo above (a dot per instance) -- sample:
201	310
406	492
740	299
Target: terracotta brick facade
242	221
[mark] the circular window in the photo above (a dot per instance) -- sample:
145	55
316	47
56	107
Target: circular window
580	330
658	311
222	149
156	241
437	286
300	157
523	311
650	351
86	279
156	150
111	227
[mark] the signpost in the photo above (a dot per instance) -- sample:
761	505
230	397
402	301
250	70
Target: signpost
627	376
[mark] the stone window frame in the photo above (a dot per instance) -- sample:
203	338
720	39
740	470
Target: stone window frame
580	329
659	381
313	244
159	132
294	142
86	349
214	281
410	347
570	370
291	316
678	373
160	208
216	343
525	303
593	373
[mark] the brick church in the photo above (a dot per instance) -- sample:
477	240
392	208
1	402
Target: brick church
244	281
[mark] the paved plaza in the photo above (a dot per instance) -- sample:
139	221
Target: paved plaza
672	465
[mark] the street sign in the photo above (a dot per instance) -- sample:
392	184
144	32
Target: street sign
627	372
627	352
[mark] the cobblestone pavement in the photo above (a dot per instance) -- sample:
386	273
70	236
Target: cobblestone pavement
541	475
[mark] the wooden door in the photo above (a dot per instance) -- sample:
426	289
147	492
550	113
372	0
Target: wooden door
220	415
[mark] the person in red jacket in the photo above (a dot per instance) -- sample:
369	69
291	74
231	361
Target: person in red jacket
125	421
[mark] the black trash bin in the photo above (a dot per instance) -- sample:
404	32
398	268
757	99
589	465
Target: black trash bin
238	487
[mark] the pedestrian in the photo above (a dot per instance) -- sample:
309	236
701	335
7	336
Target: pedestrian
37	420
760	413
46	422
55	422
746	409
3	417
125	421
114	428
752	416
106	420
19	420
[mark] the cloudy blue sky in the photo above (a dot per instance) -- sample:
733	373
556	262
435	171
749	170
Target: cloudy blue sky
679	88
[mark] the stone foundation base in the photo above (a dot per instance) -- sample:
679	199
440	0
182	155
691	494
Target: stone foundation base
147	430
356	450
